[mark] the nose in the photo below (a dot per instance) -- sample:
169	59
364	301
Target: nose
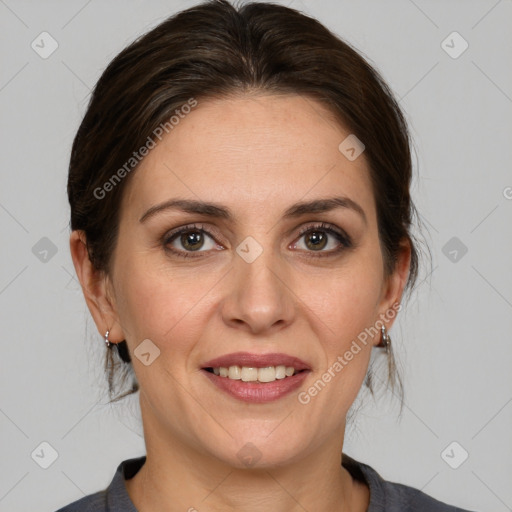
259	295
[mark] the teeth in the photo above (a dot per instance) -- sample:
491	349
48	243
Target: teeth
235	373
267	374
280	372
250	374
289	371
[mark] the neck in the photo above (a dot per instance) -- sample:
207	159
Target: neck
176	477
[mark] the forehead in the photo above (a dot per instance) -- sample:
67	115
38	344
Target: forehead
258	150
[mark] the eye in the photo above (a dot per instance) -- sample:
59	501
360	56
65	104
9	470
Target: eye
322	238
189	239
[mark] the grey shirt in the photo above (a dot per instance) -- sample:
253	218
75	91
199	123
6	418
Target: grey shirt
384	496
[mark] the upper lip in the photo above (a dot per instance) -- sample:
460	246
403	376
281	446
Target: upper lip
256	361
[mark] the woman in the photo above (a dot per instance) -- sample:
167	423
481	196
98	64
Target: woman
241	215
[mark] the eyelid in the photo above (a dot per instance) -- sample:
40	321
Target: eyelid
208	230
343	238
168	237
323	226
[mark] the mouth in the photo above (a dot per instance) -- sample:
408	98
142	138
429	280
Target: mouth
256	378
252	374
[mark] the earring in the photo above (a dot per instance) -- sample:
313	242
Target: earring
386	339
108	343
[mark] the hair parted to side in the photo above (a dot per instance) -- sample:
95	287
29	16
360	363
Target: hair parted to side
215	50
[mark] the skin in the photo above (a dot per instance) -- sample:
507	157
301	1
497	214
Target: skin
256	155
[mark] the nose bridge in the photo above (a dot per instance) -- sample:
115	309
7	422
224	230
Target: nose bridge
258	296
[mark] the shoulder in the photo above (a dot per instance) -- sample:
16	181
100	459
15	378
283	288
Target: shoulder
388	496
96	502
115	497
402	498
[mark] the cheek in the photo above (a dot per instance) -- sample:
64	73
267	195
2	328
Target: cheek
341	310
171	304
347	301
162	303
340	320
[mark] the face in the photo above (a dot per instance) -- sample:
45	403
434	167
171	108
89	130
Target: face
256	275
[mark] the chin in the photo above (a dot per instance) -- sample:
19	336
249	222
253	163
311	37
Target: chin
260	451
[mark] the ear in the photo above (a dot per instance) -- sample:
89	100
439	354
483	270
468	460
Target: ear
96	287
394	285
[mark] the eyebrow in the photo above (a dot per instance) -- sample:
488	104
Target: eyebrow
218	211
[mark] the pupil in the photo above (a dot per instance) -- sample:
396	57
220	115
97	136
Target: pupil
192	240
317	239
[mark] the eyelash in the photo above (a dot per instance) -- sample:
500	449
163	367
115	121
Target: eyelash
344	239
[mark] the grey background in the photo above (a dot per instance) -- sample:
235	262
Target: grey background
453	338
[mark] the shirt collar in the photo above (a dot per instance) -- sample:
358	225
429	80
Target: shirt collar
118	498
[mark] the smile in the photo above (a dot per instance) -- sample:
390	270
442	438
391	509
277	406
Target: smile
251	374
256	378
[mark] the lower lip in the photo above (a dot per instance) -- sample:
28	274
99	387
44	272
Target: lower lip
257	392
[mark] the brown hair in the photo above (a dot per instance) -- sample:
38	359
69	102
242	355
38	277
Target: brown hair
215	50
